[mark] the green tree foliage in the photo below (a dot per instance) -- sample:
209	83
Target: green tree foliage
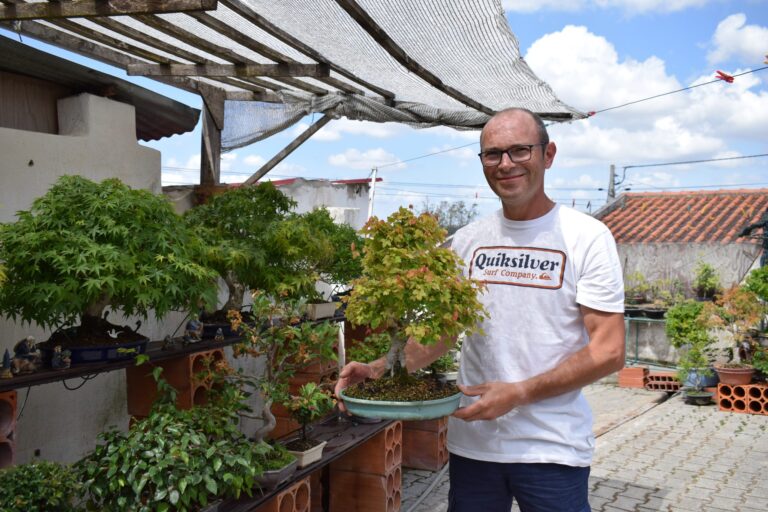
451	216
687	324
310	404
412	287
84	246
39	487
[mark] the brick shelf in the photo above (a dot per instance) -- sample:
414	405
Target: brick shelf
662	381
743	398
8	406
425	444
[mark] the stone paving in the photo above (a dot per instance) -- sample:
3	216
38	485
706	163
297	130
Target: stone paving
654	455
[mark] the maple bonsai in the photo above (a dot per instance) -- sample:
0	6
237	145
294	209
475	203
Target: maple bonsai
85	246
411	287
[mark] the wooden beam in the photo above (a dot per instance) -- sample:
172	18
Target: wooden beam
219	51
210	150
378	34
90	8
273	30
262	49
287	150
232	70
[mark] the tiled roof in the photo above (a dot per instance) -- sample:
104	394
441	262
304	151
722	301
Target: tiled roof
685	217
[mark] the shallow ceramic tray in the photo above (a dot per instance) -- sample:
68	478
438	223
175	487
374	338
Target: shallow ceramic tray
421	410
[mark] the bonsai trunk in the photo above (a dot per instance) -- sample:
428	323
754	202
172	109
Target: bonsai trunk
96	309
236	292
396	357
269	422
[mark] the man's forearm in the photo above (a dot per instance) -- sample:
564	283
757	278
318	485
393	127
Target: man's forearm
417	356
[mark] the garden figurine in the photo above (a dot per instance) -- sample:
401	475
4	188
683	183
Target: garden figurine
194	331
168	343
26	356
61	359
5	371
219	336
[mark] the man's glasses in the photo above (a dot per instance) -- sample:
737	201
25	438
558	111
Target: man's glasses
518	154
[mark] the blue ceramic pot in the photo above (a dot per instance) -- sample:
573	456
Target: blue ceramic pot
421	410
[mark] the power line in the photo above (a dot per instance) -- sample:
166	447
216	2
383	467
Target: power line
696	161
425	156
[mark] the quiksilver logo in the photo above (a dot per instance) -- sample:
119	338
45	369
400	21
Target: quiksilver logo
518	266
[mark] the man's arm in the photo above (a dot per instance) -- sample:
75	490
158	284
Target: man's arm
603	355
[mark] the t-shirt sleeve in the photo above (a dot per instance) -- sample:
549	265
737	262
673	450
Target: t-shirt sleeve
600	283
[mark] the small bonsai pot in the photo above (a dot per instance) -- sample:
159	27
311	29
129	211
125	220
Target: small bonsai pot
698	397
274	477
307	457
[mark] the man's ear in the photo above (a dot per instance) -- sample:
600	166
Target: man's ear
549	155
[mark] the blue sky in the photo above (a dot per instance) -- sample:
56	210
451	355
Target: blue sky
595	54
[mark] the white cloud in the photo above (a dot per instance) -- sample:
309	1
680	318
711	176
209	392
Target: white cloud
584	71
227	161
254	160
335	130
733	39
355	159
452	133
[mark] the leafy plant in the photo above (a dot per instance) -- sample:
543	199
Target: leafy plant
238	227
285	343
739	309
694	365
687	324
636	288
276	457
310	404
411	287
39	487
757	283
706	283
84	246
174	460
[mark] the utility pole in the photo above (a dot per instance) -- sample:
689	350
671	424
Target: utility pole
611	184
372	192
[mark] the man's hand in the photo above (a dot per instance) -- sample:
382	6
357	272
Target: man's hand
496	399
350	375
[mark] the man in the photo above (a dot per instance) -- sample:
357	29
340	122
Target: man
555	300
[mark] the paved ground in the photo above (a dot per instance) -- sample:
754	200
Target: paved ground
655	455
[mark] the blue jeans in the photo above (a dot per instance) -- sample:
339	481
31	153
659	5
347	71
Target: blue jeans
491	486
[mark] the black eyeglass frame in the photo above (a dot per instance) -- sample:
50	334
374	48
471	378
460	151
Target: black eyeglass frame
509	154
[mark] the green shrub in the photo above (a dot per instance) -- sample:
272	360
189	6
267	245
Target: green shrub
39	487
686	324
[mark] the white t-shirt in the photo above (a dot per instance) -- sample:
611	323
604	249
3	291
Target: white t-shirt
537	274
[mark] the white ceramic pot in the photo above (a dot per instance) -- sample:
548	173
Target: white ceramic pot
314	454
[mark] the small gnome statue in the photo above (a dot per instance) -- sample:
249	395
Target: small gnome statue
5	371
61	359
219	336
193	332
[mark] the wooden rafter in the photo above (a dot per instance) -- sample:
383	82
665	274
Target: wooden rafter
231	70
262	49
90	8
217	50
310	52
390	46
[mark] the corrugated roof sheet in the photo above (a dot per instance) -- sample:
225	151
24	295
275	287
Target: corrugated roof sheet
157	116
684	217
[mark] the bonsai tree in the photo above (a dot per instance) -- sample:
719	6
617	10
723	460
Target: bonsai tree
636	288
311	404
237	228
411	288
286	344
706	283
687	324
85	246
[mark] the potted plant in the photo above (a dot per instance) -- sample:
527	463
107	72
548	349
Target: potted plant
179	460
757	283
287	345
310	404
687	329
694	367
738	310
411	288
84	247
39	487
636	290
334	267
278	464
706	283
241	230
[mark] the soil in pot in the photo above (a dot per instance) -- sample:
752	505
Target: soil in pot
93	331
402	389
301	445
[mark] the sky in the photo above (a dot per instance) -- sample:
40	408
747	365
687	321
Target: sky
598	56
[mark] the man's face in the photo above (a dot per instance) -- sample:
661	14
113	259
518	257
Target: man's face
519	185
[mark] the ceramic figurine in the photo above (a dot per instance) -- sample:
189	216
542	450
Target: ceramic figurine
61	359
194	331
5	371
219	336
168	343
26	356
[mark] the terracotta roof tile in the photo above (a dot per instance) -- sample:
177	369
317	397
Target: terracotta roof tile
684	217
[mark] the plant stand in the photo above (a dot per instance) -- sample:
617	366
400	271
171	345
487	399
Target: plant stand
182	373
295	498
747	399
369	477
425	444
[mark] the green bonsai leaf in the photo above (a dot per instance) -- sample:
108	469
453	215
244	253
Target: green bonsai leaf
411	287
84	246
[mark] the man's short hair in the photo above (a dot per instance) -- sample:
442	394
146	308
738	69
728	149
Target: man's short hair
540	126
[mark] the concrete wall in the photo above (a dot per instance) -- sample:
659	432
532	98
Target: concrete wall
97	140
678	261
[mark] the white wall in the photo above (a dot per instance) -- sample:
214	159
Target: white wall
97	140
